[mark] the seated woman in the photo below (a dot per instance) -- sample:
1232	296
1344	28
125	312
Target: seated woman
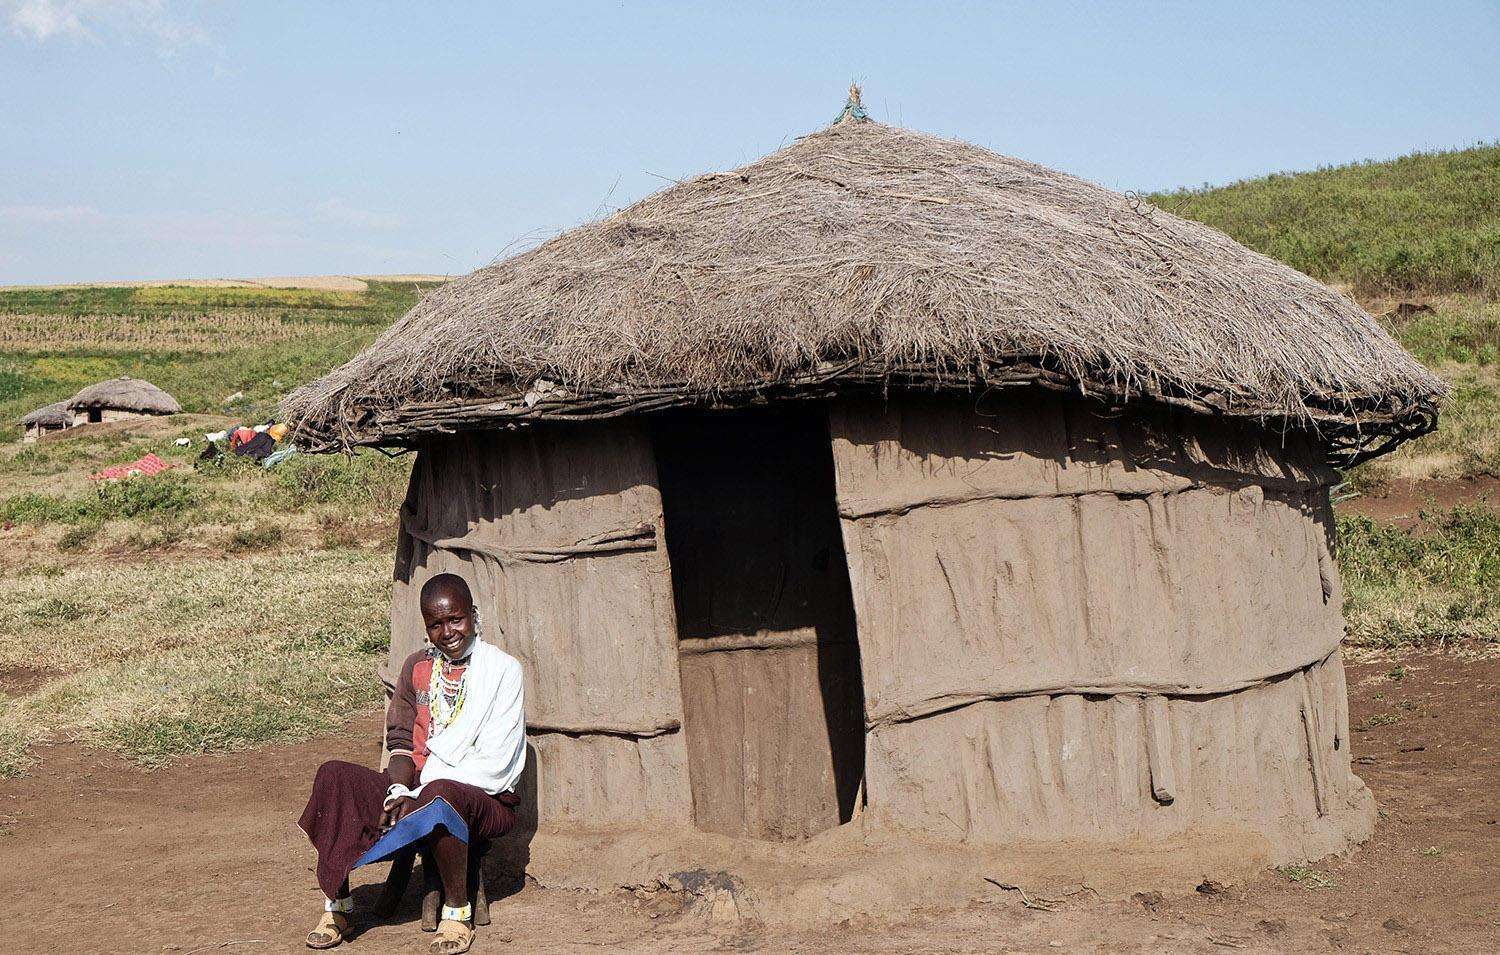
456	732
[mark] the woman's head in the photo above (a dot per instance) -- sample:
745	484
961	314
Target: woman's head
448	615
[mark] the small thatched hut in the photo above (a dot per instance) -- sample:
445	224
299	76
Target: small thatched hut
120	398
891	476
45	420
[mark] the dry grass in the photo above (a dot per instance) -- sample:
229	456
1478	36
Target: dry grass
200	333
115	611
884	250
193	655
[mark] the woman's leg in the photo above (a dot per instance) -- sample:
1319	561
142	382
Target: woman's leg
342	819
486	817
453	866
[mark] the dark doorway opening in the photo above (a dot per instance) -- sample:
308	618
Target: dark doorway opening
96	415
773	701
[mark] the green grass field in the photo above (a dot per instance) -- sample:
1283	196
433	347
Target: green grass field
219	607
1428	222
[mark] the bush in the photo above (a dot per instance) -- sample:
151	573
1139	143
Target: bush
258	537
1428	586
363	481
77	537
160	494
157	536
32	508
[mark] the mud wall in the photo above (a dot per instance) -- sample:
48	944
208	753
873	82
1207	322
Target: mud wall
1077	625
558	534
1070	625
81	416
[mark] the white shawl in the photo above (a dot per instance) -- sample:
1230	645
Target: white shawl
485	745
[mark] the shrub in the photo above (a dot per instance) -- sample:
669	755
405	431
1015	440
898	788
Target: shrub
258	537
32	508
77	537
156	495
363	481
156	536
1427	586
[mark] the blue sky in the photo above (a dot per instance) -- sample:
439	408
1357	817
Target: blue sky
167	139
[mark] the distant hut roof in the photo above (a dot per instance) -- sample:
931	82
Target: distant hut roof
867	255
126	394
49	416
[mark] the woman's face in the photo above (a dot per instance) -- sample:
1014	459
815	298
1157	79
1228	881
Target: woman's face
449	620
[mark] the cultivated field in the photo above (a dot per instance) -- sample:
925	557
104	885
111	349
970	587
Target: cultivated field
218	350
228	609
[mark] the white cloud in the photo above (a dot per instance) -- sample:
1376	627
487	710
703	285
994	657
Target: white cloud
96	20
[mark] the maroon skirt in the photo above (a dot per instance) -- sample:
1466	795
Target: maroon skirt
343	813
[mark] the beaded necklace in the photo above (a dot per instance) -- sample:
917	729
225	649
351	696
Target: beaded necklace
445	694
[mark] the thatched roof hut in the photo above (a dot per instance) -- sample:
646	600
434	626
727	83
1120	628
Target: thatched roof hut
53	417
871	255
121	398
891	477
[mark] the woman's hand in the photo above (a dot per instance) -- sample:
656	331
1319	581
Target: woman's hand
398	811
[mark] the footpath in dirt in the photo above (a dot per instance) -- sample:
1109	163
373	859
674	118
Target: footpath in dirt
205	857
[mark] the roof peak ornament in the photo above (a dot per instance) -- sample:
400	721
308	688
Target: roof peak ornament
854	110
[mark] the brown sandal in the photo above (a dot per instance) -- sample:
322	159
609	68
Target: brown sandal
330	930
453	938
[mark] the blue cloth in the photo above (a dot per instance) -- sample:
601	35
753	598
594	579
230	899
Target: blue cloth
414	827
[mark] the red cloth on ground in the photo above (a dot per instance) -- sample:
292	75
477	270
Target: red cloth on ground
148	465
342	817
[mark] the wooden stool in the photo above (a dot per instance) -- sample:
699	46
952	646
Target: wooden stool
432	889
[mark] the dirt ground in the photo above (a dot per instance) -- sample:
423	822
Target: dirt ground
99	856
1401	502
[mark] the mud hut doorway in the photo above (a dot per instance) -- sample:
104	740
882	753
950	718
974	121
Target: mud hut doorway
773	703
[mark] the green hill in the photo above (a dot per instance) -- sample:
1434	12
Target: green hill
1428	222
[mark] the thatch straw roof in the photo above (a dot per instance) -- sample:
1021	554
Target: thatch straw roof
49	416
126	394
866	255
